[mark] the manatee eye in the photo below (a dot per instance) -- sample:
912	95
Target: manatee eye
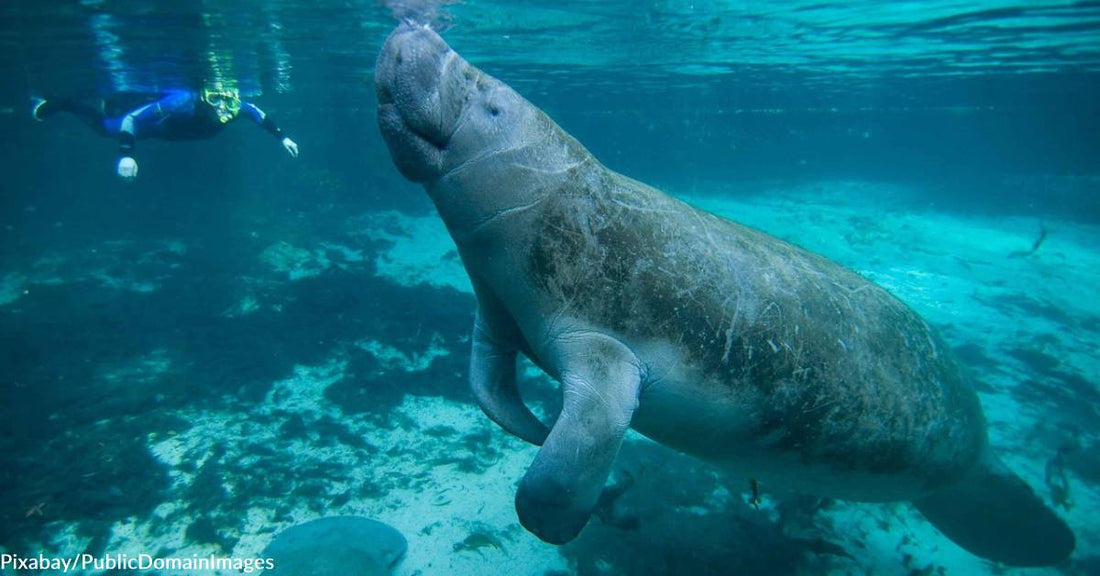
494	110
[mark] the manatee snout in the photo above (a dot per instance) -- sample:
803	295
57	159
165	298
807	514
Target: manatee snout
415	82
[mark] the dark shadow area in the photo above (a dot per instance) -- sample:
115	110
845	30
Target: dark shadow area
92	370
410	319
1020	304
668	522
1072	399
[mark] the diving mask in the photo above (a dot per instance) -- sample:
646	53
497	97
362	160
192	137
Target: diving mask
226	103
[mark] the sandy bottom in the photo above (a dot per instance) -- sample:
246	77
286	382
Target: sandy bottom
448	474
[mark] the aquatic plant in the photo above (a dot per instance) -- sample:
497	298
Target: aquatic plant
479	540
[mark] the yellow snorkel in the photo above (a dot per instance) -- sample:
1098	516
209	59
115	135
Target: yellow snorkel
226	103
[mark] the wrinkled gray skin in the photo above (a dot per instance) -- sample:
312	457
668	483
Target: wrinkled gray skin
702	334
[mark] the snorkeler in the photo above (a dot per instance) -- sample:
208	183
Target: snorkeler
176	115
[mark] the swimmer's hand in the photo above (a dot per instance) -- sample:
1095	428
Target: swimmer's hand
127	168
291	147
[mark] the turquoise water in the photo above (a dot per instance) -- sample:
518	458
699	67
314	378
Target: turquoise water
240	342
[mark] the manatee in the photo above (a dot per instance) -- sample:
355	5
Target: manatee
336	546
702	334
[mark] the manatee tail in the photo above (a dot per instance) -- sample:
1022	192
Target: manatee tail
992	513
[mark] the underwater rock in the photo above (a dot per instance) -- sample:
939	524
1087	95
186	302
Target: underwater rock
295	262
336	546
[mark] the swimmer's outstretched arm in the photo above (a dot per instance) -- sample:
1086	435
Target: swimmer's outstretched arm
138	120
264	121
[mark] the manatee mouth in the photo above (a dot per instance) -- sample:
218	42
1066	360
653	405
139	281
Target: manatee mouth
411	82
437	112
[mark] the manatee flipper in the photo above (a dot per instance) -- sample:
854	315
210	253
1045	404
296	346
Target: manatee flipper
992	513
600	384
493	378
